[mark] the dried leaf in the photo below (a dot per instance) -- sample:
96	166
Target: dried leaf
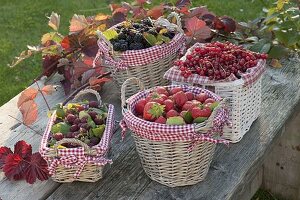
27	95
52	36
121	10
199	12
94	81
18	59
29	112
78	23
54	21
156	12
101	17
139	13
275	63
48	89
114	6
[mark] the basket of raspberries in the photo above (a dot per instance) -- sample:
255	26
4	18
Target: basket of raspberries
175	129
230	71
145	49
77	139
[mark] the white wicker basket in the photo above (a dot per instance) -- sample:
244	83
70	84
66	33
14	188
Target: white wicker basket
244	101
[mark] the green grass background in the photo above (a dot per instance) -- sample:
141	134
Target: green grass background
23	22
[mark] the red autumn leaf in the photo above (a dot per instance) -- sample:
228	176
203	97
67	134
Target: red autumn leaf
23	149
26	95
156	12
48	89
218	24
184	10
94	81
117	18
194	24
121	10
90	47
65	43
182	3
229	24
14	166
50	64
142	2
37	169
78	23
139	13
114	6
209	19
29	112
79	68
198	12
4	151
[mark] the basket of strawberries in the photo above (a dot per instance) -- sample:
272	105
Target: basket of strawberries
77	139
230	71
175	129
145	50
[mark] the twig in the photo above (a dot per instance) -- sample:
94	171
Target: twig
25	124
71	96
42	94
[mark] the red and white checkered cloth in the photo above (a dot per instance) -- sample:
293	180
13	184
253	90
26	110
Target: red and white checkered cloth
74	157
136	58
249	77
173	133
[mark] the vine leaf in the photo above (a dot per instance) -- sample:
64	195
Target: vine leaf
54	21
48	89
78	23
156	12
29	112
27	95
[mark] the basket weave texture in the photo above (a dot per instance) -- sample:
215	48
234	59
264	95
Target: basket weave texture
175	155
149	65
82	163
243	95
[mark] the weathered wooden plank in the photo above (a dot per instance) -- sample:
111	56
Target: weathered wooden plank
230	167
281	168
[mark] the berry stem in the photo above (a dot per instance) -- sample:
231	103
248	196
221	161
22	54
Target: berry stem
25	125
39	89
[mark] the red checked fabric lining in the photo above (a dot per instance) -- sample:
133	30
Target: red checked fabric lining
249	77
135	58
75	157
171	133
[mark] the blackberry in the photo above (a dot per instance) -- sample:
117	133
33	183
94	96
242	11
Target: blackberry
136	25
136	46
122	36
124	47
147	22
138	37
169	34
117	46
129	39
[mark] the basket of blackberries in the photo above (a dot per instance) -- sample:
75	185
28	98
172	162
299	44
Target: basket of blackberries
77	139
144	49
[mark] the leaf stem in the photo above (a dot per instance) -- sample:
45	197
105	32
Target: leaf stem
42	94
25	124
82	87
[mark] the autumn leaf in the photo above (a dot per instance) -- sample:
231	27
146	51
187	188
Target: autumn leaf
27	95
114	6
229	24
4	151
14	166
155	12
52	36
36	169
29	112
142	2
275	63
184	10
78	23
117	18
94	81
139	13
182	3
121	10
101	17
23	149
54	21
50	63
48	89
193	24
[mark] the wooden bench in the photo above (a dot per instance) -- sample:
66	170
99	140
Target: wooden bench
236	172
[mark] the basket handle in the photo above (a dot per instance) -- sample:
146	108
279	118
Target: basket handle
132	80
71	140
178	21
87	91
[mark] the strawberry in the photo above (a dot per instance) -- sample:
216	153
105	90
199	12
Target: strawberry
152	111
190	96
155	97
188	105
201	97
180	98
165	97
172	113
169	105
139	107
198	112
207	105
161	90
196	103
175	90
209	100
161	120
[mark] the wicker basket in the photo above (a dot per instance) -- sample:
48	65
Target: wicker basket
149	65
244	96
173	155
82	163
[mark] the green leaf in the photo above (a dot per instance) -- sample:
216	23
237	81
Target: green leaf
60	127
175	121
91	123
98	131
163	38
110	34
200	119
259	46
83	114
151	39
265	48
278	51
187	116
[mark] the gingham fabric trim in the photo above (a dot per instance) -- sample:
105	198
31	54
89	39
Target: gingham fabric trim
249	77
172	133
135	58
101	148
77	160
